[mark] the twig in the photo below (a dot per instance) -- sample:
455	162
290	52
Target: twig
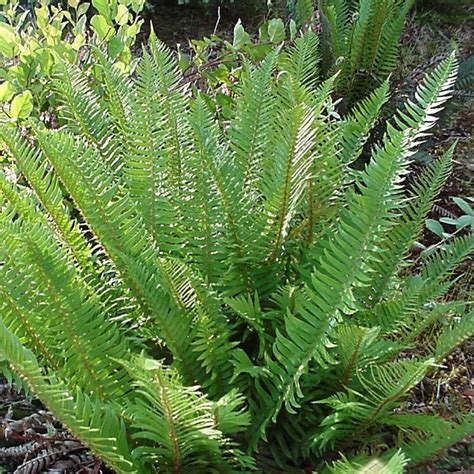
218	20
97	466
441	242
215	62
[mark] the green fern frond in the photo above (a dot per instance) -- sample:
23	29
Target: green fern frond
253	118
422	289
93	422
432	424
79	336
385	56
301	61
233	203
372	46
355	128
394	464
428	448
382	387
408	226
285	184
454	336
154	126
83	113
353	344
335	18
177	421
117	97
435	89
112	217
31	162
171	95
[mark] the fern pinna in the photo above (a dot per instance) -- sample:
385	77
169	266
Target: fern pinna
193	294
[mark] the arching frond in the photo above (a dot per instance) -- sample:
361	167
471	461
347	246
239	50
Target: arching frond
383	386
408	226
454	336
427	448
93	422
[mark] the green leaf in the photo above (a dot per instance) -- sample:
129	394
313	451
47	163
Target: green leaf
276	30
22	105
115	47
464	206
83	7
6	91
9	41
435	227
102	28
465	221
133	30
102	6
448	220
241	37
122	15
263	32
42	16
137	5
78	41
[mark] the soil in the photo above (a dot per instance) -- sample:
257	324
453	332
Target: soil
179	24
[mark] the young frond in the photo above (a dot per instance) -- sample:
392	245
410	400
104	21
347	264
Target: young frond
177	423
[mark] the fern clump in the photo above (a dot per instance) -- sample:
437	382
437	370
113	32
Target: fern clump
194	294
361	38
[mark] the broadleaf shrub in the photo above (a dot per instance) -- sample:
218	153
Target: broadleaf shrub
193	293
359	40
34	40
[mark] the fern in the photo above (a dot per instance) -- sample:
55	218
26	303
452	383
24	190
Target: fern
361	39
393	465
195	293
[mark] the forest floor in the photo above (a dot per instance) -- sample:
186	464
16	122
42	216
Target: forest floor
449	390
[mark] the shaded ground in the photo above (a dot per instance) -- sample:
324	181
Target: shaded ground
448	391
32	441
179	24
